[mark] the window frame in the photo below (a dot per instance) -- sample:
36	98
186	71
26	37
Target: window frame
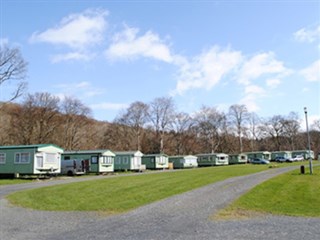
4	157
19	154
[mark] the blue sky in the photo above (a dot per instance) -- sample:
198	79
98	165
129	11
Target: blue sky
264	54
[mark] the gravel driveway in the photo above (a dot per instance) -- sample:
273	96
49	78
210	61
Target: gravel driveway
184	216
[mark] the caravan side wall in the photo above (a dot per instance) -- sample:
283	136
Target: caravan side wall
17	161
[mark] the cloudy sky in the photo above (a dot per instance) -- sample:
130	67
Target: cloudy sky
264	54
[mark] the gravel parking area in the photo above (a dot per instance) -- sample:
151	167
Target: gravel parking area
184	216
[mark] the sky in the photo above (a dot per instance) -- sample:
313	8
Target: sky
109	54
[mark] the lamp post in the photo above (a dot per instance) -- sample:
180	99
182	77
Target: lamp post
309	148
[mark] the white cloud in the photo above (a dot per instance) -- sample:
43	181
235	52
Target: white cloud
251	103
312	73
207	69
259	65
128	45
252	94
254	90
71	56
308	35
109	106
83	89
273	82
77	31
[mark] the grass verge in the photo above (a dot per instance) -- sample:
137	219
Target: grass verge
290	194
120	194
13	181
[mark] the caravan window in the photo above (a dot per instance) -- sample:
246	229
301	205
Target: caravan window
106	160
22	158
94	160
2	158
118	160
125	160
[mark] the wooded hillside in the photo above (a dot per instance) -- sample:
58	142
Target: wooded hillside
151	128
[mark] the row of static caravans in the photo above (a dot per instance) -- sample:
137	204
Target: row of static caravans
50	159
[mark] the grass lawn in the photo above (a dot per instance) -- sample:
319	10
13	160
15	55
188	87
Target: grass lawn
120	194
288	194
13	181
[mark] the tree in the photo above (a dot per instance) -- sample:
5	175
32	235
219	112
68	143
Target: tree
180	125
253	129
36	120
12	68
135	117
291	127
161	115
209	123
74	120
275	129
238	115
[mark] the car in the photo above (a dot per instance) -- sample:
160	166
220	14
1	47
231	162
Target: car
259	161
283	159
298	158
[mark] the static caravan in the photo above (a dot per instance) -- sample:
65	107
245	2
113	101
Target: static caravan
30	159
155	161
263	154
184	161
99	161
285	154
130	160
212	159
239	158
304	153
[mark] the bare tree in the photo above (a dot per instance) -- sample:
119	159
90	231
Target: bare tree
161	115
180	126
291	129
253	129
38	118
75	119
12	68
274	128
238	115
135	117
209	122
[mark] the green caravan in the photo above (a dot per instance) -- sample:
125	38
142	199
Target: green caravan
212	159
304	153
262	154
37	159
188	161
128	161
155	161
284	154
239	158
98	161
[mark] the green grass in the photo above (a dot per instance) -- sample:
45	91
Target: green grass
120	194
288	194
13	181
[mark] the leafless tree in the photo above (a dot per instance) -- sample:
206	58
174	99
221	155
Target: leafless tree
39	117
238	116
74	120
253	129
135	117
12	68
274	128
161	114
291	127
209	123
180	126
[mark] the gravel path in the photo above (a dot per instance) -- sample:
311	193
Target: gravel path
184	216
